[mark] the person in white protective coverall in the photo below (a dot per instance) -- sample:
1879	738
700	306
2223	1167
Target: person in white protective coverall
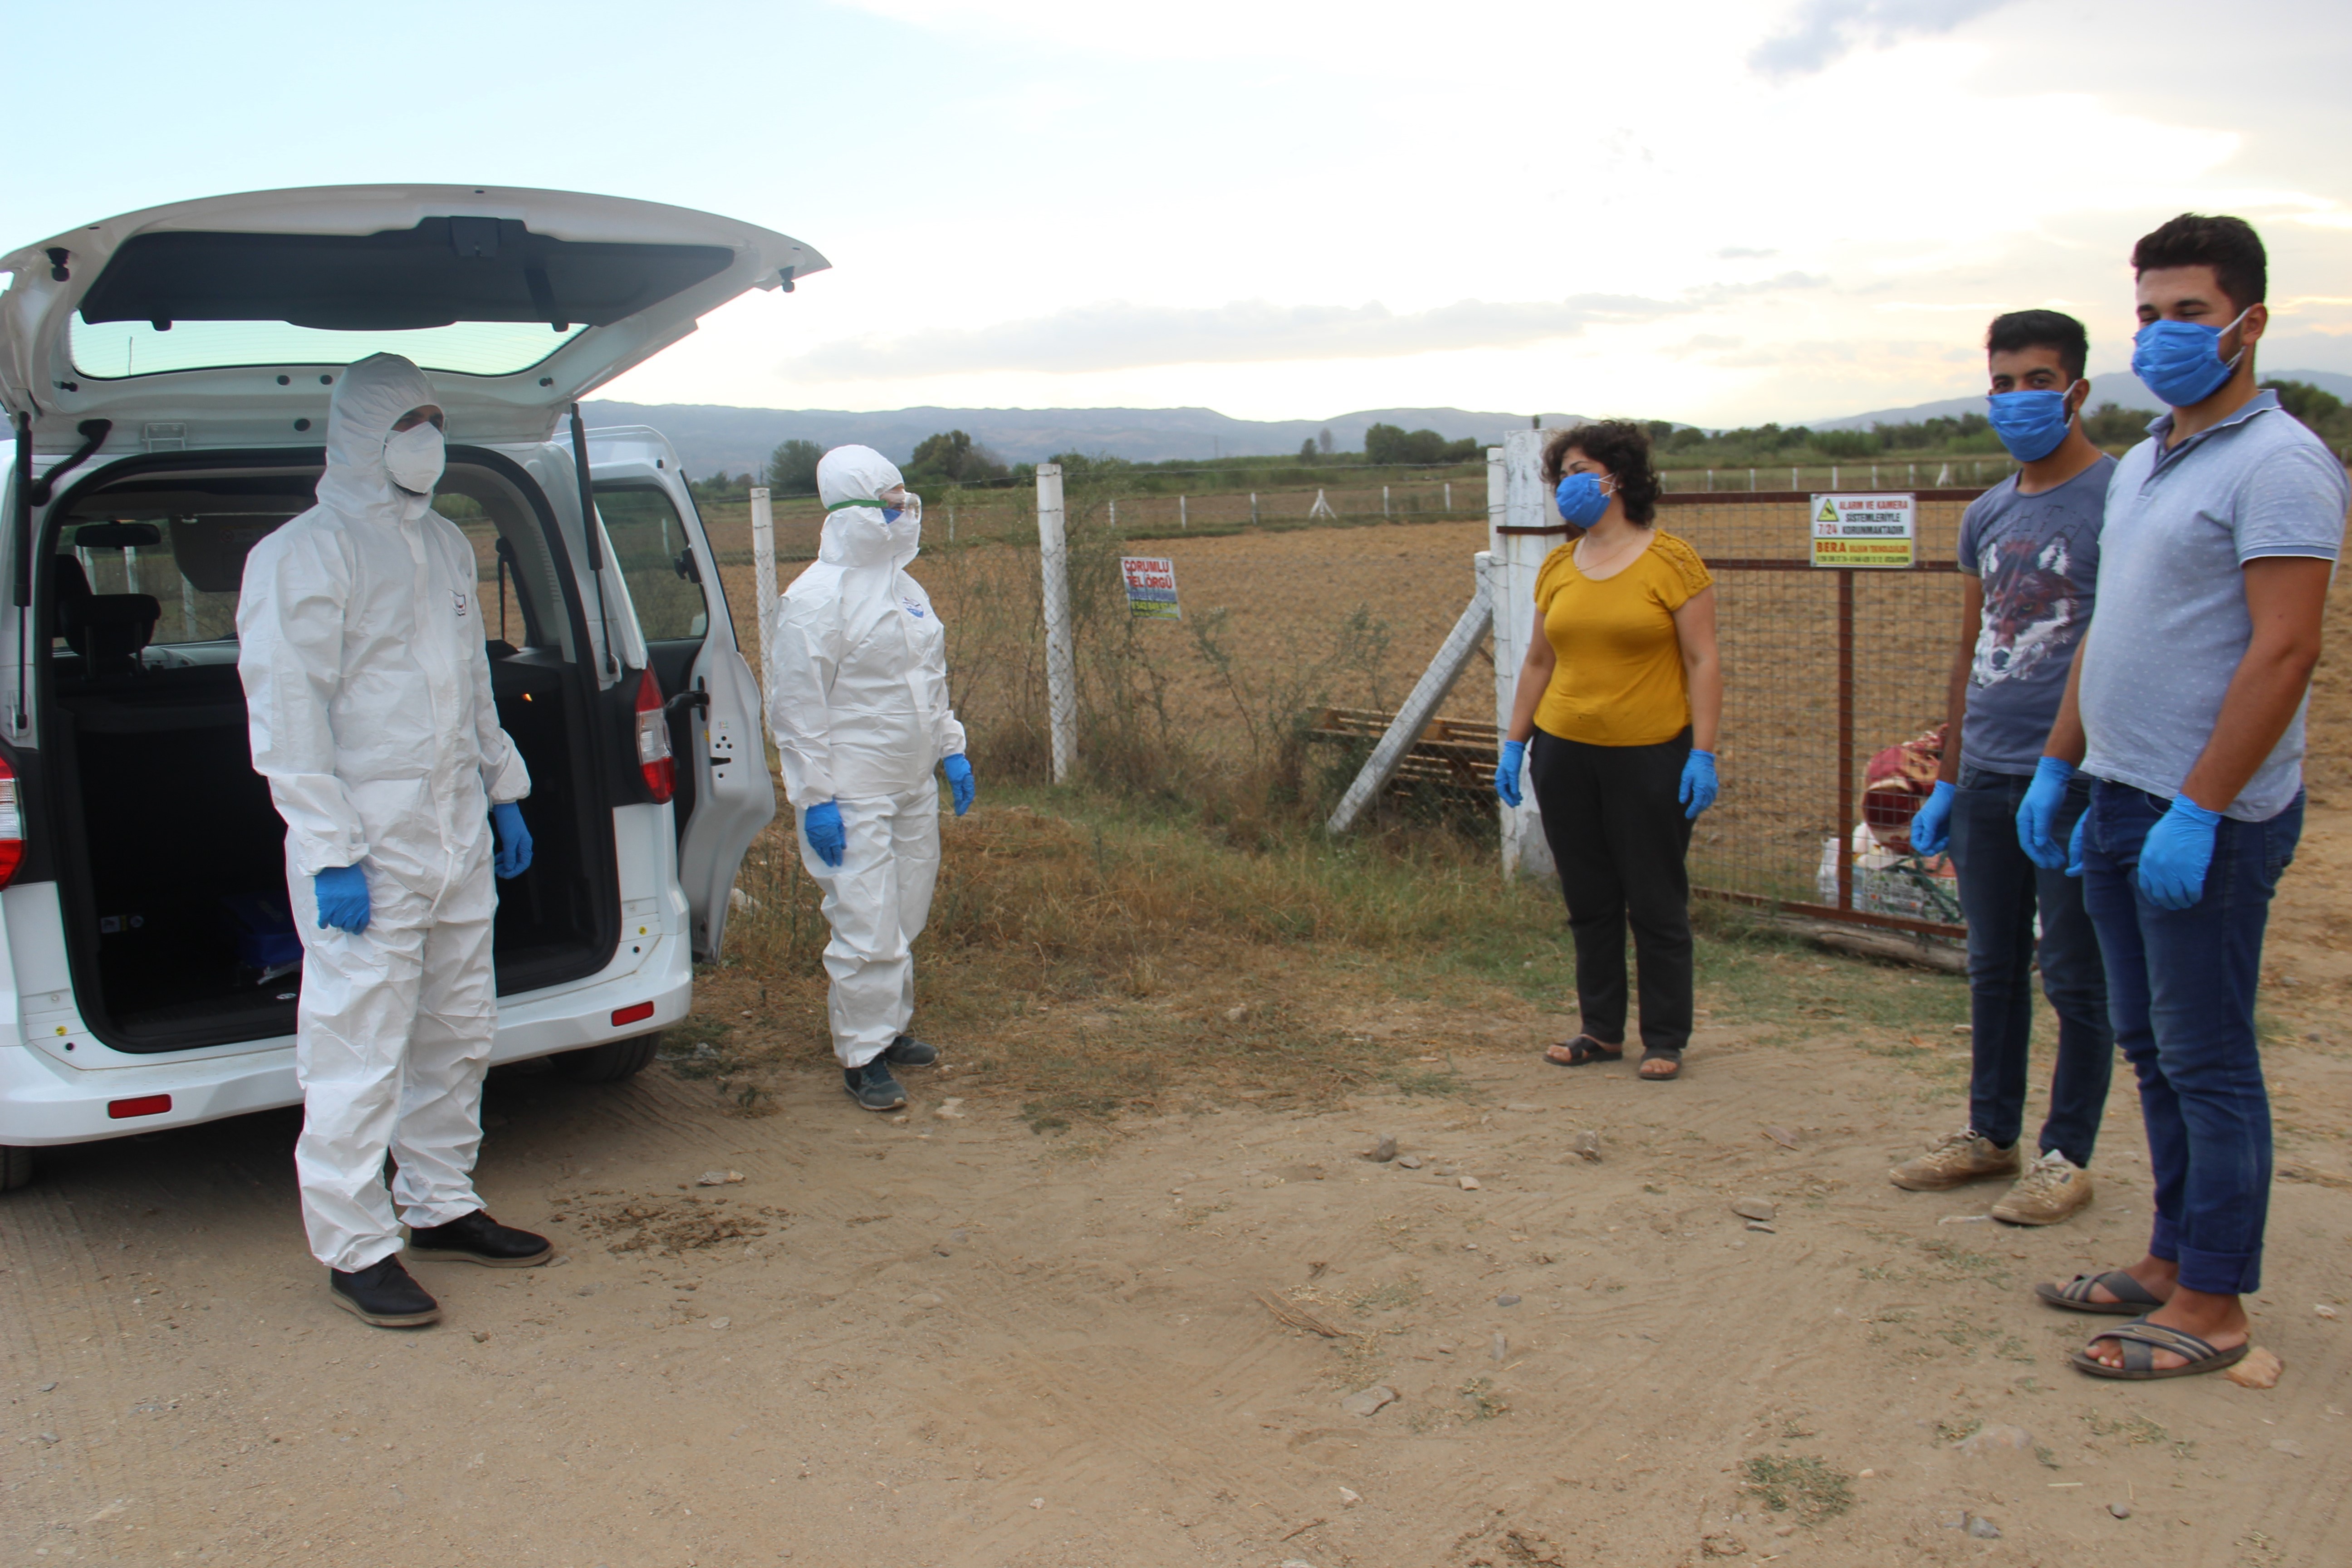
368	692
857	700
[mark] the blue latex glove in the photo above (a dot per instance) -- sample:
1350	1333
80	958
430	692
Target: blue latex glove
2179	849
959	771
2039	813
1507	771
1931	826
2075	847
514	839
342	895
825	833
1699	787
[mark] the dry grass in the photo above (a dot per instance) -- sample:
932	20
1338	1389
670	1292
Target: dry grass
1095	961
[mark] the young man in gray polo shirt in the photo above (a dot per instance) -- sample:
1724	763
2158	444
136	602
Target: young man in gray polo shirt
2186	707
2028	561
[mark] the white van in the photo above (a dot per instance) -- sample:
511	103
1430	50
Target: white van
165	376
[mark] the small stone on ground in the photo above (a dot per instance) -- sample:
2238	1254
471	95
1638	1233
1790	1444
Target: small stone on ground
1369	1401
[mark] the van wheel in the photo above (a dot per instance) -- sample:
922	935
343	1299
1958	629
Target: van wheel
15	1168
608	1063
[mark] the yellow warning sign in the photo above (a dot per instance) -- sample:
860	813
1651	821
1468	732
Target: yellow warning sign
1875	530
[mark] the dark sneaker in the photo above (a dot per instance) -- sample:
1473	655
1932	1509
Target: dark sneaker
383	1294
906	1051
478	1238
873	1087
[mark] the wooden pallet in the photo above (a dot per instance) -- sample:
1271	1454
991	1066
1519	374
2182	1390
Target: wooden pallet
1452	757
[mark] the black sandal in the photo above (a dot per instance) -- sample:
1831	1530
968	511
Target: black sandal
1673	1059
1583	1051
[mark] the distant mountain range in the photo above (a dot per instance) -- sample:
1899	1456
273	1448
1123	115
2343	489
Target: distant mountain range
710	436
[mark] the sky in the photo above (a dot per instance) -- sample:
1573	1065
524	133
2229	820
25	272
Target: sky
1721	211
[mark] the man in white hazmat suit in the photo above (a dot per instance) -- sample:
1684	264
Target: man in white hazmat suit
368	692
857	700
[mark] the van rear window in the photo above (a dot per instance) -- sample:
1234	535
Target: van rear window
114	351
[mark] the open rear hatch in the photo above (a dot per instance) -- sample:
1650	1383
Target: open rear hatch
208	336
219	316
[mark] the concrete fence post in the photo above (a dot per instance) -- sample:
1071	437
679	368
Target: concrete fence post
1522	528
1384	501
1061	666
764	568
1252	509
1449	495
1182	522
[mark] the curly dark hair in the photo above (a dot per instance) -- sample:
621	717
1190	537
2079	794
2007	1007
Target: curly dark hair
1619	445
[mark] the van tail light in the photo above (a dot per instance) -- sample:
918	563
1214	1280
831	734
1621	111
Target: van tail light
653	741
12	826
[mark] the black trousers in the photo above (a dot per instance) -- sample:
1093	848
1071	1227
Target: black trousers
1619	836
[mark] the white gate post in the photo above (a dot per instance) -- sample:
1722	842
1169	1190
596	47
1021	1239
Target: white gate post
764	568
1061	669
1522	528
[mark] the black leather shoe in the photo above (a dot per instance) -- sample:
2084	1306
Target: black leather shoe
478	1238
383	1294
873	1087
906	1051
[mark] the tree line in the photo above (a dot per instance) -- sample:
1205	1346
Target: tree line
952	459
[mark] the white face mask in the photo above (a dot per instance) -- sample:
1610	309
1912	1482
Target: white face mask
415	456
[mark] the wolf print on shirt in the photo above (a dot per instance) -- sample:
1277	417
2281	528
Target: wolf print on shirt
2031	605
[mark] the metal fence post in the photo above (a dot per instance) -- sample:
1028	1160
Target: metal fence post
763	569
1061	670
1846	805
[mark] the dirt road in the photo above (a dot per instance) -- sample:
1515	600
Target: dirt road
949	1340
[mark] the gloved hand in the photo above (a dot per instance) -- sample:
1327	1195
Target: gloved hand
1507	771
1931	826
825	833
2075	847
2173	860
1698	787
343	893
514	839
2040	812
959	771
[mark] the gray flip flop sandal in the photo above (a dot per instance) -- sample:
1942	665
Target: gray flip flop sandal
2141	1340
2133	1298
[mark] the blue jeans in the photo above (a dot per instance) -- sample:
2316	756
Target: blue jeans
2180	986
1999	890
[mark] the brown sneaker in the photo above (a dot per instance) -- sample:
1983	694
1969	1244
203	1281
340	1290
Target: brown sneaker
2051	1189
1962	1158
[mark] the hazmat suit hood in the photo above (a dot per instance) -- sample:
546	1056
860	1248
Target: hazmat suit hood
850	481
369	398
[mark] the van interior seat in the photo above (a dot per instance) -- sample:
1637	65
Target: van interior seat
108	630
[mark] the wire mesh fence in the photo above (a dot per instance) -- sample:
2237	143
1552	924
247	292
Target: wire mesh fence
1285	627
1824	669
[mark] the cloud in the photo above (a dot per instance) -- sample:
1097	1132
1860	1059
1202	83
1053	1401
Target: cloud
1818	33
1117	335
1743	253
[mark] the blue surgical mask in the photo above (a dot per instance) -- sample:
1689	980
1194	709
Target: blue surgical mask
1581	499
2032	423
2181	361
891	514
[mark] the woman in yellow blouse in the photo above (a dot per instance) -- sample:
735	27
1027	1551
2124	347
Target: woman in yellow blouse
1616	710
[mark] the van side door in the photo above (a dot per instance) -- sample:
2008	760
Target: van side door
725	794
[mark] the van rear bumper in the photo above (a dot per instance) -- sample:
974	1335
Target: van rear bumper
44	1102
